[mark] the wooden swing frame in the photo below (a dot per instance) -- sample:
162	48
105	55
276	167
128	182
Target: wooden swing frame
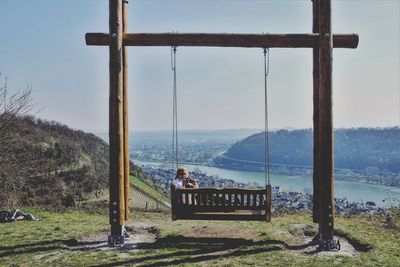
321	40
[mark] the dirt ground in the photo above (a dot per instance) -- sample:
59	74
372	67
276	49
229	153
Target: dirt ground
145	234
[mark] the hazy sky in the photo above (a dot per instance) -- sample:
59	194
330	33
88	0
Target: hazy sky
42	44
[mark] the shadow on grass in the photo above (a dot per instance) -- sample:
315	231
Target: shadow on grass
189	249
168	251
200	249
357	244
43	246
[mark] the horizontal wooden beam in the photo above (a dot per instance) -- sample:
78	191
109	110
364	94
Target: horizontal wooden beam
224	40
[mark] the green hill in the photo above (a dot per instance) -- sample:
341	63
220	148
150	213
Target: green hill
374	150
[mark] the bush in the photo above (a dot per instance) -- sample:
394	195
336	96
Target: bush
393	217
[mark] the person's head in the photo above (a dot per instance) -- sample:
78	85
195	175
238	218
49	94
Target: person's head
182	173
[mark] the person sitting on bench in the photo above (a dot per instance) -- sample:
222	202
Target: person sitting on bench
183	180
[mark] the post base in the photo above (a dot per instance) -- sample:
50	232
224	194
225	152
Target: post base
116	240
329	244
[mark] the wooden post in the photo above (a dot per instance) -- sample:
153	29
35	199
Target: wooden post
316	176
116	175
125	110
326	167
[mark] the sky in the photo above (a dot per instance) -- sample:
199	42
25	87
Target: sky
42	45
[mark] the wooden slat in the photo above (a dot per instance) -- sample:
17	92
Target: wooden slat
197	208
224	40
173	202
180	198
237	201
268	200
186	194
193	199
224	199
200	199
223	217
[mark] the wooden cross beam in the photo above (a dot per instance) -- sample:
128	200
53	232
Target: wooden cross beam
224	40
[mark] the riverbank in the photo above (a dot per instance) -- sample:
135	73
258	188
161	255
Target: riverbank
350	191
343	175
282	200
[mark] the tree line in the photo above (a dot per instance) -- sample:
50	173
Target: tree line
370	150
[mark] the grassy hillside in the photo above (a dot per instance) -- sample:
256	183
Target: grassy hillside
140	183
67	239
48	164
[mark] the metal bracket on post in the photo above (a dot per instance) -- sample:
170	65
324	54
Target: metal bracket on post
329	244
116	240
117	237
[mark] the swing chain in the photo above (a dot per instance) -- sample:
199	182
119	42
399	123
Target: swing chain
175	148
266	139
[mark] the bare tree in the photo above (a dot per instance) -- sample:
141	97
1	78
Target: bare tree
12	107
17	156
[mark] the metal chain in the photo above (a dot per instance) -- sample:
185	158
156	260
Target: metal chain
175	148
266	141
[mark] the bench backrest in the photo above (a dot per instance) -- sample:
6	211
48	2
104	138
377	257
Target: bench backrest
222	200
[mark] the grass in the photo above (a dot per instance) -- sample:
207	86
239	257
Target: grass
148	189
59	241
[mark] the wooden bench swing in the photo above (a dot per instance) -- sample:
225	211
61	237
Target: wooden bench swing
220	203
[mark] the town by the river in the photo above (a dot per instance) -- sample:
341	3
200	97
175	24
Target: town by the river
352	191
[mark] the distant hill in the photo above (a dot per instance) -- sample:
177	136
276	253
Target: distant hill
228	136
357	149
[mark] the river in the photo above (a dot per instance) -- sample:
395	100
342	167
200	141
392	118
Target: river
352	191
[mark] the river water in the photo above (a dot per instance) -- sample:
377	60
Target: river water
352	191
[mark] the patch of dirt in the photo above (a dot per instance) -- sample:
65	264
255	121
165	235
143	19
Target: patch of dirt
140	234
206	231
346	249
303	235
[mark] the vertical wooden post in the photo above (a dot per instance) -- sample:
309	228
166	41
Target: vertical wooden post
116	175
316	175
326	167
125	109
